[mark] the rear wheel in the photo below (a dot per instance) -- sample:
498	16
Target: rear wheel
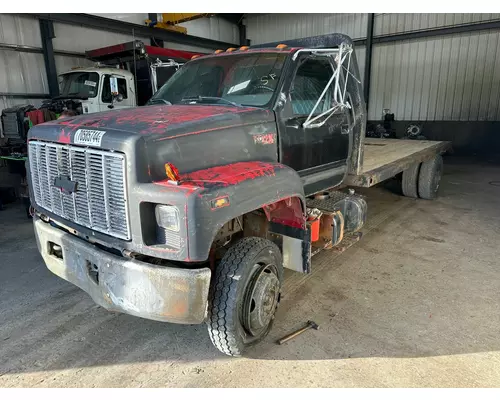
409	183
244	295
430	177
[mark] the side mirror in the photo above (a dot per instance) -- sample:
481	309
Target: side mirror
113	83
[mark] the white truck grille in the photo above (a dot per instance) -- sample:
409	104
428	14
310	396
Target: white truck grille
99	201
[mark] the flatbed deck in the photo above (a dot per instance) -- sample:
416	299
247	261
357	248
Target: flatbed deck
385	158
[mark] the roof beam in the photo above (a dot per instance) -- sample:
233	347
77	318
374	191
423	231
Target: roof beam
112	25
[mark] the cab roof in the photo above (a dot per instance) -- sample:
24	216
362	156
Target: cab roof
246	50
98	69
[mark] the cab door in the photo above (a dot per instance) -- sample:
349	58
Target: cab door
106	99
318	153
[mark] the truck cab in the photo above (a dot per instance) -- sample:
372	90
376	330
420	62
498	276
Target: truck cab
91	88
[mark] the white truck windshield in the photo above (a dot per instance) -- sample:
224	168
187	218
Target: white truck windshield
242	79
79	84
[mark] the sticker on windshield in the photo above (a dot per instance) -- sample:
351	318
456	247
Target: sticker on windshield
239	86
90	83
88	137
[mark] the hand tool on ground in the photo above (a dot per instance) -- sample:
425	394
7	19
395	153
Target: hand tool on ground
309	325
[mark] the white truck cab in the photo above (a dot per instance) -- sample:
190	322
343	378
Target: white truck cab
125	75
98	88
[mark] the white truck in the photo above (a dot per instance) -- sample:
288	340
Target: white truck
125	75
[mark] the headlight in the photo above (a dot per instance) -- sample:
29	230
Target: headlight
167	217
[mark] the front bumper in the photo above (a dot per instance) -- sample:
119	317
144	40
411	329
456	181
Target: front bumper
145	290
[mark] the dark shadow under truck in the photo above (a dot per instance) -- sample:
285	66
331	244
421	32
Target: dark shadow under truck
188	210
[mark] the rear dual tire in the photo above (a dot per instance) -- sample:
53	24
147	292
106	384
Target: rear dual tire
429	178
422	180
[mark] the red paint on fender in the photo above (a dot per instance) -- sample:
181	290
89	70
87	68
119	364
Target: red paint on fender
232	174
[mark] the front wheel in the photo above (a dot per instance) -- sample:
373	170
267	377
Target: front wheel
244	295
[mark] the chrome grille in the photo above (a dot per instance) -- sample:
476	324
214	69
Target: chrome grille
100	200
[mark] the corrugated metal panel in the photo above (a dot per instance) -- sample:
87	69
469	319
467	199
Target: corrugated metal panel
137	18
456	78
22	72
275	27
396	23
65	63
19	29
68	38
79	39
214	28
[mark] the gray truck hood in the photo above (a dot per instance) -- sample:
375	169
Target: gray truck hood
190	136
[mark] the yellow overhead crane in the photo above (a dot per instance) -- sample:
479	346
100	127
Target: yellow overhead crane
169	21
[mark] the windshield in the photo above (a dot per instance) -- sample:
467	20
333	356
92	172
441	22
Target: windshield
246	79
79	84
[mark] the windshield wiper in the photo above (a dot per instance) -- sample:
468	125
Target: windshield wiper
153	101
201	98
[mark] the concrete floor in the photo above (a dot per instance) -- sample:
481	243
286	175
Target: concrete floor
414	303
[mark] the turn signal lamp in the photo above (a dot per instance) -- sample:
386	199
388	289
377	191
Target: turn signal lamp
243	48
172	172
195	56
281	46
218	51
231	49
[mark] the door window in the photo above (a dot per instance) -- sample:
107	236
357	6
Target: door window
310	81
106	89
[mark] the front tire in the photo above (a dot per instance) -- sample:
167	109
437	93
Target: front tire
244	295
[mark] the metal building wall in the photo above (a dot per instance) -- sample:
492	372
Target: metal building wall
23	72
444	78
276	27
20	72
386	24
133	18
449	78
213	28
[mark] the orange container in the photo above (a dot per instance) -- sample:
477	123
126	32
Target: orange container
314	229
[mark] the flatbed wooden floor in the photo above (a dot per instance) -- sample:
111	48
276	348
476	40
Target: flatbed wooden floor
385	158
